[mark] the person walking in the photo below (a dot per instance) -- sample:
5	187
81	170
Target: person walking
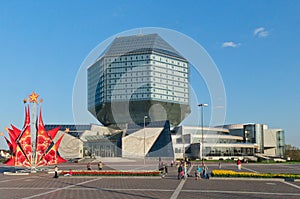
239	164
199	171
185	170
205	171
55	172
88	166
166	169
179	170
100	165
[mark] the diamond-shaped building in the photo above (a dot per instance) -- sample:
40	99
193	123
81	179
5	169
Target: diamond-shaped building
138	76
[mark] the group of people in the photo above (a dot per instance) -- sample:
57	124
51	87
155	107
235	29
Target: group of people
183	168
70	173
89	166
201	172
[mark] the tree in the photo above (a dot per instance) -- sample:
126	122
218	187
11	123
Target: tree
292	152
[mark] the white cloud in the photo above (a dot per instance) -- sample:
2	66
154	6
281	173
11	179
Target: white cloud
261	32
230	44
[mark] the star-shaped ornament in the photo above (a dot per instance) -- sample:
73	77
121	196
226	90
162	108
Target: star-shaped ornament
33	98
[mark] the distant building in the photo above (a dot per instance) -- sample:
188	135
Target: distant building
217	142
138	76
158	140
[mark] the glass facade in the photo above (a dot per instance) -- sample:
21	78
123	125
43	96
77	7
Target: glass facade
253	133
139	77
139	68
280	148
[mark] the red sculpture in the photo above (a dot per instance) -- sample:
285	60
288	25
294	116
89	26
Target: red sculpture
20	144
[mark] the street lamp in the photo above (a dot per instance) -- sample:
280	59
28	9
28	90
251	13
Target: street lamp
202	121
145	117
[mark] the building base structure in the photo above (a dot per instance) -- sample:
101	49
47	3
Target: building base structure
158	139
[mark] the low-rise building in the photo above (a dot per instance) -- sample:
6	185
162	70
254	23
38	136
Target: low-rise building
158	140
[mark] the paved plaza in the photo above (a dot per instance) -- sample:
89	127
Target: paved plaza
43	185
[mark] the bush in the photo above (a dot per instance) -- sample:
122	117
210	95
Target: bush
230	173
111	173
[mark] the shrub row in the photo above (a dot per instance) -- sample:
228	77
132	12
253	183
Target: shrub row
111	173
230	173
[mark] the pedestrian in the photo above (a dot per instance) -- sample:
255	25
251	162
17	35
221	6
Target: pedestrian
166	169
199	171
239	164
161	166
100	165
179	170
220	166
172	163
197	176
88	166
70	173
185	169
205	171
55	172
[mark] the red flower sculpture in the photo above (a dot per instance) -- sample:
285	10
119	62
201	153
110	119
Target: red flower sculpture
21	148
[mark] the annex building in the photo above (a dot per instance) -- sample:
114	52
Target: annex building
158	140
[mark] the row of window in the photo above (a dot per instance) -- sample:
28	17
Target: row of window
145	96
153	86
168	60
144	80
139	66
140	91
143	57
125	58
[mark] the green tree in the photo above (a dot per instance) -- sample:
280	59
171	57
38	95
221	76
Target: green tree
292	152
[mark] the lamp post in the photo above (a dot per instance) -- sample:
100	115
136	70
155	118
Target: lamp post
145	117
202	121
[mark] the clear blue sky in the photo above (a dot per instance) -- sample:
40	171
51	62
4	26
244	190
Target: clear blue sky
255	45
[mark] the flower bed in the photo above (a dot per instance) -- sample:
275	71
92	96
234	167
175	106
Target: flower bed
230	173
111	173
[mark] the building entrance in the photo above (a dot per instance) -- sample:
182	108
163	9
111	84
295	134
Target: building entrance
103	148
